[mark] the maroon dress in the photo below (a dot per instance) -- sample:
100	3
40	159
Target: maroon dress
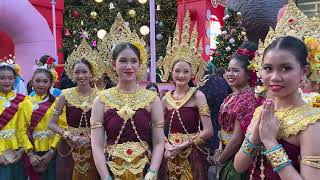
127	144
65	161
197	158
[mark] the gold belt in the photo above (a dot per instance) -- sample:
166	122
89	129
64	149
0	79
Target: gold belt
178	138
133	154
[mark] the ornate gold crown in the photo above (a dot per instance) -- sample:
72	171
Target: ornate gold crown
120	33
184	48
84	51
293	23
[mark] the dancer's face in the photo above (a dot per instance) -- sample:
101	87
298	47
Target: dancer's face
236	75
82	74
41	83
6	81
181	73
127	65
282	73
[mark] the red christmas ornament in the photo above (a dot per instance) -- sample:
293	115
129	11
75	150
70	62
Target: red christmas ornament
66	32
75	13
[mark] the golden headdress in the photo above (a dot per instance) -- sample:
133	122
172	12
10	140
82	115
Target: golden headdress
120	33
184	48
84	51
294	23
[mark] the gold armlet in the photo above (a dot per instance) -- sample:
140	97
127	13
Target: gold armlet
158	124
95	124
313	161
197	140
204	110
56	112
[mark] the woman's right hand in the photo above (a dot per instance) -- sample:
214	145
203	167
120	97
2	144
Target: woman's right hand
34	159
255	135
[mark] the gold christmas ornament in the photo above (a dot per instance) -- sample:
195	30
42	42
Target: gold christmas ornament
93	15
84	51
293	23
98	1
144	30
184	48
132	13
121	33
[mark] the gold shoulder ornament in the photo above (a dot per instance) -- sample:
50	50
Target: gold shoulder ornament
184	48
294	23
177	104
127	103
75	99
120	33
293	120
84	51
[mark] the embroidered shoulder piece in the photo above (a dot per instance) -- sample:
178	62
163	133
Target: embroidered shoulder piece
297	119
73	98
177	104
115	99
294	120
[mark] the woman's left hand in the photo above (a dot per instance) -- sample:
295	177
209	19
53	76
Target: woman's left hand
269	124
48	157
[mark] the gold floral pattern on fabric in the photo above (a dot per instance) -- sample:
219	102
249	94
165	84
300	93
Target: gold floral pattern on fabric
127	103
177	104
136	168
75	99
294	120
127	151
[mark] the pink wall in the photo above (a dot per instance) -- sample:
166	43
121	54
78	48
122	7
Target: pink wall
29	31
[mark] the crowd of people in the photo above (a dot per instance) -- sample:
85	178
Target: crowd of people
102	124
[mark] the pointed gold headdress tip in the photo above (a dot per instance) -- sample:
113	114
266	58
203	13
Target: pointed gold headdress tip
84	51
293	23
183	47
119	33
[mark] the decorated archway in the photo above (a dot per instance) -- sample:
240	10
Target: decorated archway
28	30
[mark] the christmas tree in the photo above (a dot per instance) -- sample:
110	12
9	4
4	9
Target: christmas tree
92	18
232	36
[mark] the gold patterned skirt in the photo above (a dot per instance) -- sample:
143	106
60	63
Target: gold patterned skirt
190	164
128	161
83	165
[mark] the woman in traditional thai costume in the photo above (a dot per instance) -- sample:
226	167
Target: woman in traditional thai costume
11	162
38	141
124	117
80	67
282	141
236	110
187	117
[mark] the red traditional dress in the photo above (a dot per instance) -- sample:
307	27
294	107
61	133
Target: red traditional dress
183	123
235	107
127	124
78	113
292	123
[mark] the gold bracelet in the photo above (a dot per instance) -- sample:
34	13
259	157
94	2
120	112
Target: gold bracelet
278	157
204	110
312	161
158	124
95	124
